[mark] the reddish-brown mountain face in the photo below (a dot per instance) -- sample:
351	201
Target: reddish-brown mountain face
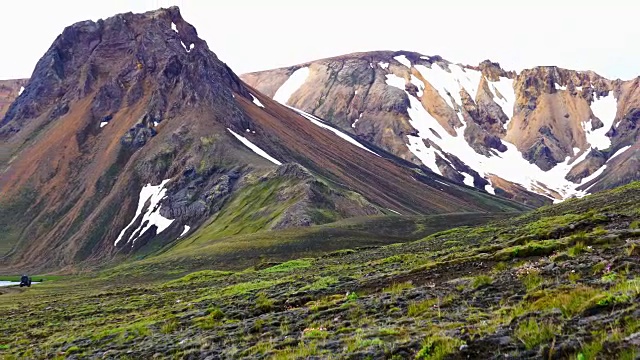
131	134
539	135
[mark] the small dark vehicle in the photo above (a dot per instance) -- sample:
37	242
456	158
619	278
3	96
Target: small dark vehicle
25	281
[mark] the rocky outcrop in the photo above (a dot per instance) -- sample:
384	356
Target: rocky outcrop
549	113
9	91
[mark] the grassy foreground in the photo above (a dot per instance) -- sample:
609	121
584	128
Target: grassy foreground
561	282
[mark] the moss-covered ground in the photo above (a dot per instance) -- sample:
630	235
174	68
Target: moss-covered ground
561	282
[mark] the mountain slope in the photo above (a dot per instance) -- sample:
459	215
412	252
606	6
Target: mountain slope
561	282
131	134
539	135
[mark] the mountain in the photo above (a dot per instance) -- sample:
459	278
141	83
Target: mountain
539	135
131	136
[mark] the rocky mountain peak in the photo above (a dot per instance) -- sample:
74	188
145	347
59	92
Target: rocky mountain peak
121	60
493	71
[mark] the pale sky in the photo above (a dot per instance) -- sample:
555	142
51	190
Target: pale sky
252	35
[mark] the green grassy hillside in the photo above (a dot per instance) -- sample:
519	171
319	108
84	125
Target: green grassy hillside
561	282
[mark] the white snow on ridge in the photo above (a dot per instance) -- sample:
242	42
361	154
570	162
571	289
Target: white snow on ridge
560	87
593	176
505	87
403	60
21	90
619	152
103	124
317	121
256	101
154	194
419	84
254	148
468	179
509	165
450	83
605	109
383	65
295	81
173	27
356	121
186	230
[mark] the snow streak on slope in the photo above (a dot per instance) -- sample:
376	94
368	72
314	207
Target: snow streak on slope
317	121
448	84
619	152
504	96
256	101
186	230
291	85
500	164
254	148
403	60
154	194
604	108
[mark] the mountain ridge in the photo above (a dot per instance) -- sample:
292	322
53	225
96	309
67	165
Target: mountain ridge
489	107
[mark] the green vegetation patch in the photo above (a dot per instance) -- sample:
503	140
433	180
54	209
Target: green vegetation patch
289	266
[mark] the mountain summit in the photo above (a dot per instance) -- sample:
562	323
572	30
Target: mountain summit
132	136
540	135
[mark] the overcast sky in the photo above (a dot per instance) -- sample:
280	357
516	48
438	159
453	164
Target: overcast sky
254	35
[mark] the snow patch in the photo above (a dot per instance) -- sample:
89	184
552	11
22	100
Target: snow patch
604	108
501	164
186	230
295	81
449	83
403	60
490	189
103	124
154	194
393	211
468	179
395	81
507	100
173	27
354	123
560	87
443	183
317	121
383	65
21	90
593	176
619	152
254	148
256	101
419	84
